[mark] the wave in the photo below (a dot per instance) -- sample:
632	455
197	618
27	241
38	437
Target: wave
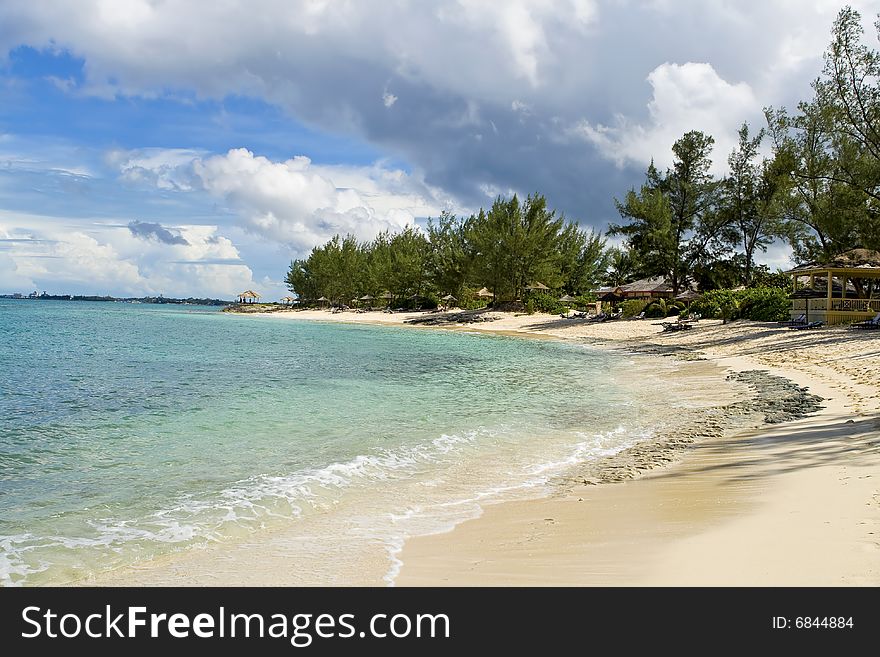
246	505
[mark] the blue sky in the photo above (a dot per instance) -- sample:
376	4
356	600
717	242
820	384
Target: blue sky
187	148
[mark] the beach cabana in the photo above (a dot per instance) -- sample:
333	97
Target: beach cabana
322	300
536	287
448	298
287	301
849	283
483	293
249	296
566	298
687	296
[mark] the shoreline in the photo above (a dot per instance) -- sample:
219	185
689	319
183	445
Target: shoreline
808	520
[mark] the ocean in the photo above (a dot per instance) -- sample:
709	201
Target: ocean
132	434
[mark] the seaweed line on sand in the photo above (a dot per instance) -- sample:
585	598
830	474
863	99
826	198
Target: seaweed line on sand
775	399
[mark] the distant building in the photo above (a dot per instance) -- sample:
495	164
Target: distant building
655	287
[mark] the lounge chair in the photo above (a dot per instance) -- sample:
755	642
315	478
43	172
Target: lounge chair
601	317
641	315
798	321
676	326
868	324
811	325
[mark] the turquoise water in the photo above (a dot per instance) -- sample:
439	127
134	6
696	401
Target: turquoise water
129	432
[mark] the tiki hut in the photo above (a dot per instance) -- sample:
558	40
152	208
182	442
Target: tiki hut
687	296
536	287
249	296
484	293
566	298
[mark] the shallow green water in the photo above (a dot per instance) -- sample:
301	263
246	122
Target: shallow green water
130	431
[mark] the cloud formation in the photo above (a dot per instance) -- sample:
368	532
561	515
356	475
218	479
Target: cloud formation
147	230
468	98
686	97
47	253
466	69
292	202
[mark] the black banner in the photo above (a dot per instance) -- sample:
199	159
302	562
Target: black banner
432	621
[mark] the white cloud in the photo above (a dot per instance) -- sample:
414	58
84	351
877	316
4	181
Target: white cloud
294	202
48	253
156	166
689	96
388	99
303	205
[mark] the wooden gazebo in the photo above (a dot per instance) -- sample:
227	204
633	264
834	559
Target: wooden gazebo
249	296
850	281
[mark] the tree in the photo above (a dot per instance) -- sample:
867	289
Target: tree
449	256
409	259
830	150
583	260
748	199
822	214
672	219
849	97
514	243
622	266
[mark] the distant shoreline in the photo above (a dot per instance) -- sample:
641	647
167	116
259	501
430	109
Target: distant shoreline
190	301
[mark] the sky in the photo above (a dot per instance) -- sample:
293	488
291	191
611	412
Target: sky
193	149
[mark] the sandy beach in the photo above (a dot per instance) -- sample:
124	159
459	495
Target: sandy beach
796	503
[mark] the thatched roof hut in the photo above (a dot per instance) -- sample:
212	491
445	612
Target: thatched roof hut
854	259
249	296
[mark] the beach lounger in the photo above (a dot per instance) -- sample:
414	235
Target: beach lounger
601	317
811	325
798	321
868	324
676	326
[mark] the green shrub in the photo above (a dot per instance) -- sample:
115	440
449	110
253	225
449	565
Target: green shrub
655	310
544	302
633	307
468	299
585	299
761	304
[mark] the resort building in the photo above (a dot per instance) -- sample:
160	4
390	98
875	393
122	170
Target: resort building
655	287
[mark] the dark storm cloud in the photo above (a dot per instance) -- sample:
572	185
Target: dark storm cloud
147	230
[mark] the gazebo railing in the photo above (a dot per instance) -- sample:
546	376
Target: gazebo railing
856	305
800	305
